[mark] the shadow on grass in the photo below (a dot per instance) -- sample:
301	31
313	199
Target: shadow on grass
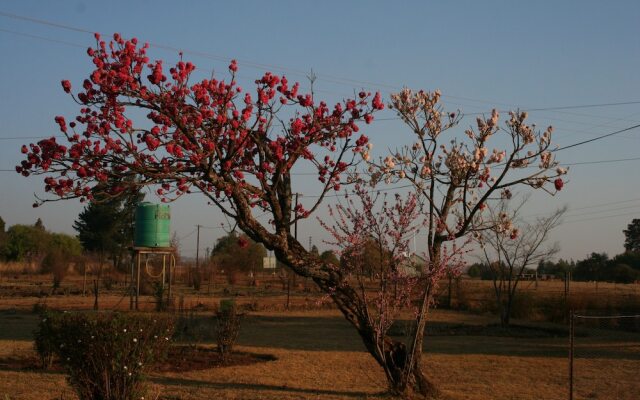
336	334
264	387
17	325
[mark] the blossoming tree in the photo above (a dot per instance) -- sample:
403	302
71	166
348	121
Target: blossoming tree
389	281
236	148
455	183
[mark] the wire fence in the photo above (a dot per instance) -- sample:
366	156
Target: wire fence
604	357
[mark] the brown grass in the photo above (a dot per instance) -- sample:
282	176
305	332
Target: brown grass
299	374
319	356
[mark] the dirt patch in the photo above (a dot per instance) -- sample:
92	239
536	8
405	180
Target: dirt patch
180	359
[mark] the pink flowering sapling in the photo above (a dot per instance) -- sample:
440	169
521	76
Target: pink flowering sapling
372	234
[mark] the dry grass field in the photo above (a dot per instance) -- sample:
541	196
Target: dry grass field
319	356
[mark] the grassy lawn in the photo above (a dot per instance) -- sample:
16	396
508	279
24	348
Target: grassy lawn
319	356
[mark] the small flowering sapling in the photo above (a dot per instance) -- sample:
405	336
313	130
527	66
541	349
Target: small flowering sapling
456	179
513	245
386	280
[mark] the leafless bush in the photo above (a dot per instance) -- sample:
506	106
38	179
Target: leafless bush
228	327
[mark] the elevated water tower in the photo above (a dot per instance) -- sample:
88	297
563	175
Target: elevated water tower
152	236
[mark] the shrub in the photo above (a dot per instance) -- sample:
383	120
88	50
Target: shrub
228	327
44	339
54	261
108	281
160	297
107	354
196	277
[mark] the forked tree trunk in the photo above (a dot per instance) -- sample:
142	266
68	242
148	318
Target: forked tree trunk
403	380
96	294
402	364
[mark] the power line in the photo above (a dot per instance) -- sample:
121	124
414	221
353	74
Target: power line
43	38
554	108
29	137
601	211
593	206
598	138
608	204
564	164
603	217
260	65
602	161
326	77
187	235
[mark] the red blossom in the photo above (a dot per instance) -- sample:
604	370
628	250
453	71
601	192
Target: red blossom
209	130
66	86
558	183
243	242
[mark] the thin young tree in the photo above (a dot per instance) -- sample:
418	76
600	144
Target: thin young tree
509	250
238	151
372	234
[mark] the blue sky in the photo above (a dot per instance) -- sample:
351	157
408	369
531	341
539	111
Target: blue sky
501	54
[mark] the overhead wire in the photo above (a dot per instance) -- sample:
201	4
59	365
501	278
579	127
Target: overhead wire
601	211
261	65
327	77
598	138
602	217
334	79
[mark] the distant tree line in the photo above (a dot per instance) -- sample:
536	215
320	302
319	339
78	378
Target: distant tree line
33	243
622	268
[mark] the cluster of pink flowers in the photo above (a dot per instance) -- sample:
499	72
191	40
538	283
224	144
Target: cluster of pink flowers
207	134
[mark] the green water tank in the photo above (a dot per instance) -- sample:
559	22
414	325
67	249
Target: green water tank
153	228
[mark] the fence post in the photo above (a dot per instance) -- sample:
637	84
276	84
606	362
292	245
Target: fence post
571	335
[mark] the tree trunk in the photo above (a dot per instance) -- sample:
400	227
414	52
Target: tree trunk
449	290
504	317
84	279
96	294
402	366
401	363
402	381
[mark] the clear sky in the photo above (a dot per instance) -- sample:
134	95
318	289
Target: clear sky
503	54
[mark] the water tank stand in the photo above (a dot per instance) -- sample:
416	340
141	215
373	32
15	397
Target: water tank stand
167	276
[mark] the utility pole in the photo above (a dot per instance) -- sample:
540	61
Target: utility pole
197	254
208	264
295	228
295	235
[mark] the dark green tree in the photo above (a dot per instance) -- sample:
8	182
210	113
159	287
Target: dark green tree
556	269
3	240
631	259
234	252
329	257
26	243
105	226
632	236
592	268
61	250
40	225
